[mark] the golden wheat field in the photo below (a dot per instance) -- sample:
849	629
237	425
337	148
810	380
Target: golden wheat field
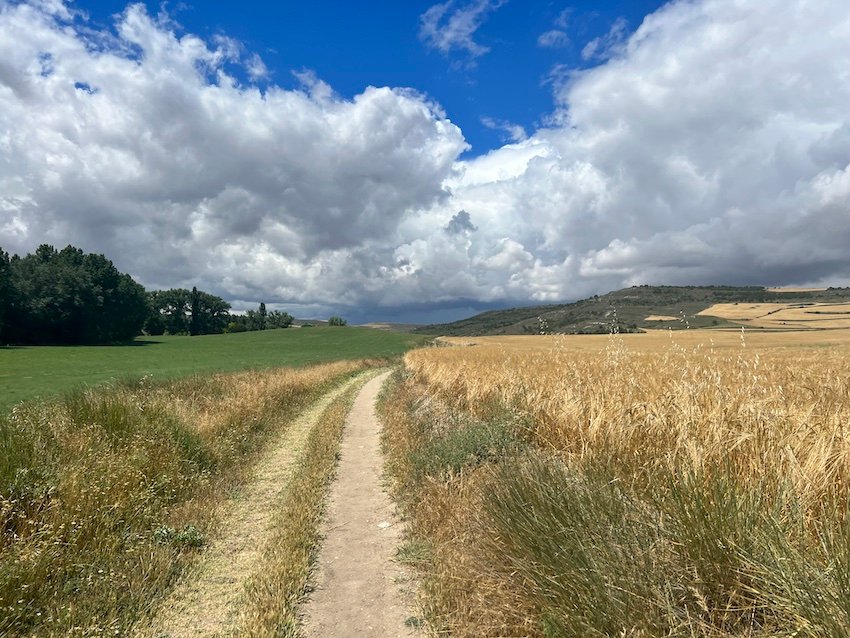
775	405
660	484
658	341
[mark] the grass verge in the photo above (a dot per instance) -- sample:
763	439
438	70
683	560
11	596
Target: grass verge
270	605
106	496
437	458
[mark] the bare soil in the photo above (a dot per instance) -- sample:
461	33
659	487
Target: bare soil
359	589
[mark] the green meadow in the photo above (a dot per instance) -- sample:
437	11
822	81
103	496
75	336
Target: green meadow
29	372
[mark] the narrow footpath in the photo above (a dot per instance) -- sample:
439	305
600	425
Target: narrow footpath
206	603
359	589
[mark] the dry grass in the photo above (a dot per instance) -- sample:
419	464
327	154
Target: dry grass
693	484
106	496
460	596
769	413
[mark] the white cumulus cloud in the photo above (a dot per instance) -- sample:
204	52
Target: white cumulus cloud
150	152
712	145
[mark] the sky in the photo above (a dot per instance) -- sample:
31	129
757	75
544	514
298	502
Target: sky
423	161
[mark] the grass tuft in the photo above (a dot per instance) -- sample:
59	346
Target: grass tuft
464	446
584	552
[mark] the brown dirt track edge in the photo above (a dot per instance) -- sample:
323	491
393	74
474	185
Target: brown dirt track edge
357	590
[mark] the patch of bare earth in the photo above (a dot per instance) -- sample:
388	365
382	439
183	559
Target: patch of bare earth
206	603
358	587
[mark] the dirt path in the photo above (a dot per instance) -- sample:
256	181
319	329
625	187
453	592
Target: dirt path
358	587
205	605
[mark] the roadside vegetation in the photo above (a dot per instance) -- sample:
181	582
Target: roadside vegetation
107	495
666	491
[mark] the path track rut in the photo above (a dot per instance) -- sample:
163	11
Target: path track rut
206	603
358	586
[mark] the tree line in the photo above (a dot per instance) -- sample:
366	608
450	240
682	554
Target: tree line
71	297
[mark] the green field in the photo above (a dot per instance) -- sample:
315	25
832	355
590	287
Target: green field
30	372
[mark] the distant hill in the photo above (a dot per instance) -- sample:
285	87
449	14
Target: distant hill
631	310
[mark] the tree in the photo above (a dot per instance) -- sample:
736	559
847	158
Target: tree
154	325
278	319
171	307
214	313
236	326
195	321
337	321
5	293
69	296
181	311
254	320
120	303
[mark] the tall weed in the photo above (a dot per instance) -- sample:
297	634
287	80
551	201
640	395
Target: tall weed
590	558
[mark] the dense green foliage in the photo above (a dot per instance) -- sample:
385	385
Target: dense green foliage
180	311
70	297
67	297
278	319
626	311
32	372
5	292
259	320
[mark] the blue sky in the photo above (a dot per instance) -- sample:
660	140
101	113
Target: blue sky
421	161
352	45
